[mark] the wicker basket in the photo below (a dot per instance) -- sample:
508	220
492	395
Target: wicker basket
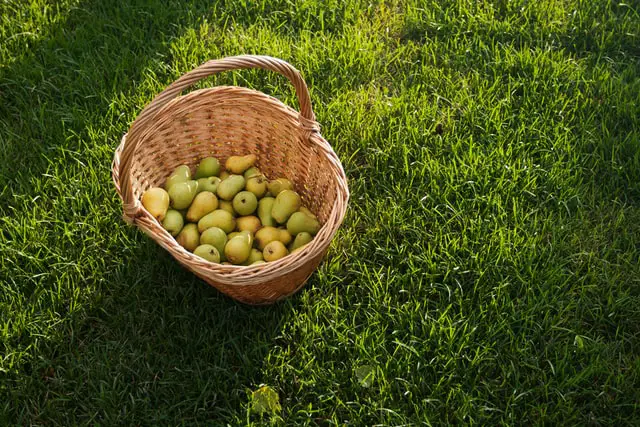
225	121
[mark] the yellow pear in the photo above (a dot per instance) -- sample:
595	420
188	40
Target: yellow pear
156	201
189	238
284	236
255	255
239	164
224	175
278	185
238	249
266	235
226	205
218	218
248	223
274	251
202	204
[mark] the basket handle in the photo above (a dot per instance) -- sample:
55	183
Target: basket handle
307	118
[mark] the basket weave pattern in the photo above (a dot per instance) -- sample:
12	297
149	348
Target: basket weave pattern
224	121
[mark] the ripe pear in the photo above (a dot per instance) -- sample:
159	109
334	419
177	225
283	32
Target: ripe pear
299	248
180	174
266	235
189	238
203	203
257	185
156	201
182	194
232	235
208	184
209	166
299	222
251	172
274	251
248	223
226	206
218	218
208	252
264	211
239	164
284	236
173	222
287	202
255	255
238	249
245	203
224	175
306	211
214	236
260	261
229	187
301	239
278	185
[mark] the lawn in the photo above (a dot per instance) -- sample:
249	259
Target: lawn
488	269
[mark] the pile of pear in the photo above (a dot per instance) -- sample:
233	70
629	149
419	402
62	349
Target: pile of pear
233	215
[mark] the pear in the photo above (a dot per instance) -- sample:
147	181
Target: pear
245	203
264	211
274	251
214	236
238	249
301	239
208	184
226	263
248	223
306	211
224	175
251	172
180	174
255	255
299	248
229	187
227	206
239	164
218	218
248	236
156	201
173	222
257	185
284	236
182	194
209	166
189	238
260	261
266	235
287	202
208	252
232	235
203	203
299	222
278	185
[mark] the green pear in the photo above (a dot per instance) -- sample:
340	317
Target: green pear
248	223
180	174
251	172
173	222
182	194
278	185
299	222
209	166
218	218
287	202
301	239
284	236
260	261
264	211
257	185
208	252
238	249
274	251
248	236
208	184
266	235
214	236
245	203
306	211
202	204
224	175
227	206
255	255
299	248
232	235
156	201
239	164
229	187
189	238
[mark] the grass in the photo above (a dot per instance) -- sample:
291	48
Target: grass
487	271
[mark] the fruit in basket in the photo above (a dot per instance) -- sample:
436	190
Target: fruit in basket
189	238
266	235
251	172
299	248
301	239
182	194
261	261
238	248
287	202
226	205
208	184
214	236
245	203
208	252
274	251
207	167
255	255
284	236
180	174
278	185
304	210
156	201
257	185
264	211
202	204
229	187
173	222
299	222
239	164
218	218
248	223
